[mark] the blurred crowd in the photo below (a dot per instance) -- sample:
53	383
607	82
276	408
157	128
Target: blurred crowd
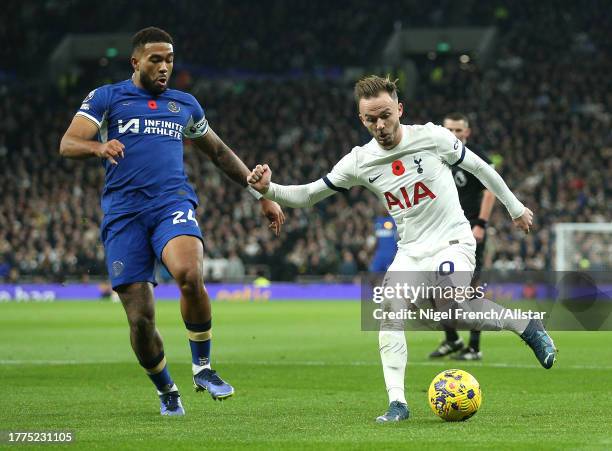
263	36
541	109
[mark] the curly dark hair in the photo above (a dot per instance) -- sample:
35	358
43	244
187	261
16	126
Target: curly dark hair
150	34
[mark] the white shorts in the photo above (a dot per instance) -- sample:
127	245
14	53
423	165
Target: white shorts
462	257
452	266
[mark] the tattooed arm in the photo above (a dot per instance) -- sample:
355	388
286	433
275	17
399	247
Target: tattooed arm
225	159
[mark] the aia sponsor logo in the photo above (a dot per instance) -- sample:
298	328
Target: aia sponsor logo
403	200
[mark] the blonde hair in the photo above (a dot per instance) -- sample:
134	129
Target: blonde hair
373	85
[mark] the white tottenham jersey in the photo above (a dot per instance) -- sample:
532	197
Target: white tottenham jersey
415	183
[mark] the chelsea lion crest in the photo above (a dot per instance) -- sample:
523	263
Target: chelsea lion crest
173	107
89	96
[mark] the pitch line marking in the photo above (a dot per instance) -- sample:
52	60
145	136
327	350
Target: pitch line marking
303	363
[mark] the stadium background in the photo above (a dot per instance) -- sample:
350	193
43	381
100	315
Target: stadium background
275	78
539	104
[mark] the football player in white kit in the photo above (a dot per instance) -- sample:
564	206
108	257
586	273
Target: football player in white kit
409	168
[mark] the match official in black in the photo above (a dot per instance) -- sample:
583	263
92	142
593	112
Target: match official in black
477	203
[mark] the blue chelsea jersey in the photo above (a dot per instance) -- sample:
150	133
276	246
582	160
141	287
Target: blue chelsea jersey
386	235
151	127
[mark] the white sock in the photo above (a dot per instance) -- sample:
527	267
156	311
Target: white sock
499	322
393	355
195	369
173	388
517	325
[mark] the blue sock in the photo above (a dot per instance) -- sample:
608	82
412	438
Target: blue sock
157	370
199	342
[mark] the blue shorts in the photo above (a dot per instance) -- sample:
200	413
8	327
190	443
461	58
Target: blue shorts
134	241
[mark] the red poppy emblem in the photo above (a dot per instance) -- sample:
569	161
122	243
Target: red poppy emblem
152	104
398	167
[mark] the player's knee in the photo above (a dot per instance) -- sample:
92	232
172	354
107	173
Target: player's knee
190	280
143	325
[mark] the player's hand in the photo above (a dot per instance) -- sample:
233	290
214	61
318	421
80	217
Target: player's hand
274	213
525	221
479	233
260	178
111	150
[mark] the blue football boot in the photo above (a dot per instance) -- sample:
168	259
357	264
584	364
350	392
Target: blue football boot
540	342
208	380
170	404
397	412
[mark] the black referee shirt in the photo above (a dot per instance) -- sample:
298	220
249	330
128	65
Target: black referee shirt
469	187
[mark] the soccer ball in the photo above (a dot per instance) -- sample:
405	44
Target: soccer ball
454	395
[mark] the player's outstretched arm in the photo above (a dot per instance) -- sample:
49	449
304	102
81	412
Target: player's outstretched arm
222	156
521	215
295	196
78	142
225	159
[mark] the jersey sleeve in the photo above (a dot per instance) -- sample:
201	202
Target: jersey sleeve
450	149
343	175
95	106
493	182
197	125
340	179
483	155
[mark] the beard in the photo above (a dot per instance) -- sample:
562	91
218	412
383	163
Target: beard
389	138
149	84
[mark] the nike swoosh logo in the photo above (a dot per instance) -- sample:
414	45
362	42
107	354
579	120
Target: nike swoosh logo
373	179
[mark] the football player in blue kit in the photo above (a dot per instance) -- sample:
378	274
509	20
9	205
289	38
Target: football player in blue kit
386	243
137	127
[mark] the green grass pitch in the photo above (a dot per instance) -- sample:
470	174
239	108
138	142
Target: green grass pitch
305	377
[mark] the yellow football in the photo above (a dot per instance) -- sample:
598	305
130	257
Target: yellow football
454	395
